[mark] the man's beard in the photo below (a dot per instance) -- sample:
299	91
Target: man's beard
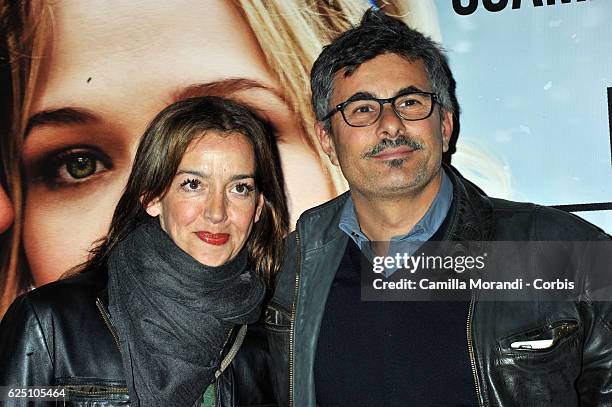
396	163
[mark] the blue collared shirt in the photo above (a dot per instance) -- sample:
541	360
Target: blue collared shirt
421	232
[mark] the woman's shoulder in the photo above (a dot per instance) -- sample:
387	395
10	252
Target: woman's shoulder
64	303
57	309
57	333
77	292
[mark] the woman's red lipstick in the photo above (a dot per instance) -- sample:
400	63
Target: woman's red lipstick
216	239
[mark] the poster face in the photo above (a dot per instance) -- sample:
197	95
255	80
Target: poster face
534	80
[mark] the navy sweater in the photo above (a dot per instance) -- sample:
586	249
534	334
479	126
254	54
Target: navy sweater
390	353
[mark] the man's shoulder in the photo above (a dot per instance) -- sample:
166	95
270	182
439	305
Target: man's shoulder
537	222
315	228
322	220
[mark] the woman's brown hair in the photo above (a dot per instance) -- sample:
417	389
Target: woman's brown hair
159	154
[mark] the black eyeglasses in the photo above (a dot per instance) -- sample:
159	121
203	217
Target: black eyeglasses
364	112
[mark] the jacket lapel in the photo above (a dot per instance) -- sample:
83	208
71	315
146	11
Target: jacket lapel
320	255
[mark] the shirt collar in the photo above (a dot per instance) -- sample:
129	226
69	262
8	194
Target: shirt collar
422	231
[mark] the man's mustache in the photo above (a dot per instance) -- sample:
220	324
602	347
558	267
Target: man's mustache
388	143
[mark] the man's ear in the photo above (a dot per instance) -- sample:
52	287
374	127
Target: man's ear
261	201
446	123
327	142
154	207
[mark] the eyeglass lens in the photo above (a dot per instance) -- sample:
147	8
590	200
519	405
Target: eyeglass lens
412	106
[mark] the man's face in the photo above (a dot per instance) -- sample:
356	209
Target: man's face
392	157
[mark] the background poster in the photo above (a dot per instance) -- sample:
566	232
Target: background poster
80	80
534	83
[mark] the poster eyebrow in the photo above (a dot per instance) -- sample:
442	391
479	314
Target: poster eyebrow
78	115
225	87
61	116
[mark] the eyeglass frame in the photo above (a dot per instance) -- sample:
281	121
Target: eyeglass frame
341	106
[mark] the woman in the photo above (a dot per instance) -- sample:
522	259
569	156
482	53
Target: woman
152	314
76	68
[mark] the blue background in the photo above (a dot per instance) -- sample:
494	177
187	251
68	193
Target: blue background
532	85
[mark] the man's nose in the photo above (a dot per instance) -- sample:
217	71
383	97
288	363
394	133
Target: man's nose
216	207
390	125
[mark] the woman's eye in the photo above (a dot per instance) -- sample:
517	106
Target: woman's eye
190	184
243	189
73	166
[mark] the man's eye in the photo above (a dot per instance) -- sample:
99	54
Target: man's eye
73	166
363	109
412	100
409	102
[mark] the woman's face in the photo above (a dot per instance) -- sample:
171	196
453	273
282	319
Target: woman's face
112	66
212	203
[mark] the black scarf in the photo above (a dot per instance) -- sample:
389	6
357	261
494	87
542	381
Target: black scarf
174	314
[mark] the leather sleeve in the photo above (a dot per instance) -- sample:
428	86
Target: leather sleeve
25	351
277	321
284	286
595	382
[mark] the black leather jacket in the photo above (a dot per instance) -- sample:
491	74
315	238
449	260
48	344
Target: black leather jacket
575	371
60	335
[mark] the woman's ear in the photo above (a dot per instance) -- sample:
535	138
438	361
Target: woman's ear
261	201
153	208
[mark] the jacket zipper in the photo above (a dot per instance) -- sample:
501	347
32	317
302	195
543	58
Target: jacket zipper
76	390
216	393
292	333
231	352
108	324
471	349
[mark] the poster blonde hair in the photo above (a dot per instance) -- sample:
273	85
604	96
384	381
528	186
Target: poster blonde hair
26	31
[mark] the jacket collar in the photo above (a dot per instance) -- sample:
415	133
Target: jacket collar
469	217
320	224
471	214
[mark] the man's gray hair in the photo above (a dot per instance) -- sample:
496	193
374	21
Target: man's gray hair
379	34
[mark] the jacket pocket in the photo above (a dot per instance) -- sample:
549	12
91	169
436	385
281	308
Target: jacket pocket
540	364
91	392
276	319
540	340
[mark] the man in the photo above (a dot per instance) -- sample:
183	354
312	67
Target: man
383	95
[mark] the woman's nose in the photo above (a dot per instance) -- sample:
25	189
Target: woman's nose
216	208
